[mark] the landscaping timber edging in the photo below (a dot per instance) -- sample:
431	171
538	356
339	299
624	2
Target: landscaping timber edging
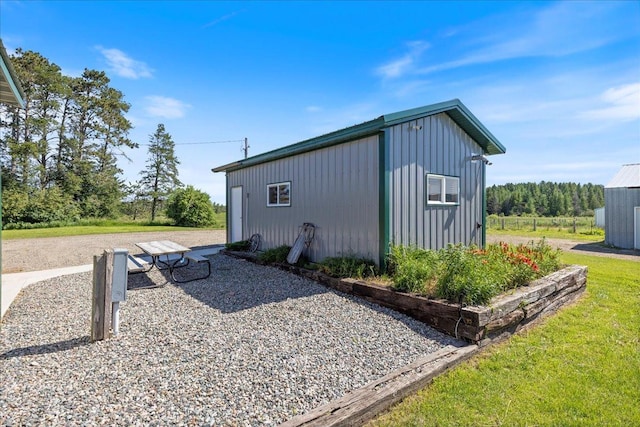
482	325
359	406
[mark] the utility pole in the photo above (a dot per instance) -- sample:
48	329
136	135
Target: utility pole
246	148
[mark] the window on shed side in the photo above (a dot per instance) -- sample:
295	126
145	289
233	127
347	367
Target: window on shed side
279	194
443	190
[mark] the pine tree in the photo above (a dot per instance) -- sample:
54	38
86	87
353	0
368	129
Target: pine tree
64	142
160	177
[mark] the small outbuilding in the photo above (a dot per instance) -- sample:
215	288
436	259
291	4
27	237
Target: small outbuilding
415	177
622	204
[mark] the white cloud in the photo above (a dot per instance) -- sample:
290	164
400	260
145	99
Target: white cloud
222	19
168	108
563	28
621	103
396	68
403	65
123	65
313	109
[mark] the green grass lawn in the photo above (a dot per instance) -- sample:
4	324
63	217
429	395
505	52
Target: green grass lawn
106	227
557	228
580	367
550	234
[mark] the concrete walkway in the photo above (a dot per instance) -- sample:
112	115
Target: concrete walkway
12	284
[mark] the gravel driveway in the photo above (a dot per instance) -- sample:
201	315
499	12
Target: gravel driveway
251	345
54	252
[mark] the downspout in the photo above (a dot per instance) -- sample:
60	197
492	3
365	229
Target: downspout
383	199
484	205
228	212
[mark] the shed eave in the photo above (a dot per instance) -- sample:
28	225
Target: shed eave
460	114
338	137
627	177
10	90
453	108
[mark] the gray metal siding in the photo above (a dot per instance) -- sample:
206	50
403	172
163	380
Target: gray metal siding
335	188
618	225
437	145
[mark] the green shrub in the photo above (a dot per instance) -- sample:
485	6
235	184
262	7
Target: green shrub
412	268
274	255
48	206
241	246
189	207
348	266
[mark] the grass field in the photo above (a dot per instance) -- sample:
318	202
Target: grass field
580	367
100	227
581	228
549	234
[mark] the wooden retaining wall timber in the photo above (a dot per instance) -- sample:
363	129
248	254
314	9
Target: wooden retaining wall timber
359	406
482	325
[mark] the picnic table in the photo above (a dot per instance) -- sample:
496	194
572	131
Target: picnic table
165	248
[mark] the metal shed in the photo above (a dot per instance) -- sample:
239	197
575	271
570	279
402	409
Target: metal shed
415	177
622	204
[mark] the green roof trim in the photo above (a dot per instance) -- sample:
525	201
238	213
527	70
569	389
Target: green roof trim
454	109
10	89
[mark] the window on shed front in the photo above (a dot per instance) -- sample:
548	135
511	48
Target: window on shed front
279	194
443	190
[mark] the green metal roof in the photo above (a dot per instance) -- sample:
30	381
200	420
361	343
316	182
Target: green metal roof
10	90
454	109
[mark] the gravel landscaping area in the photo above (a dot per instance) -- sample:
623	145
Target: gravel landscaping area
251	345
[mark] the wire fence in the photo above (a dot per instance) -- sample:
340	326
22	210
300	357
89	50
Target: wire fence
572	224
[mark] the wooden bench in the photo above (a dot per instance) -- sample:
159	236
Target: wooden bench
137	265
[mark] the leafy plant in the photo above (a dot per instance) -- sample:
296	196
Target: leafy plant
241	246
469	275
466	277
348	266
412	268
275	255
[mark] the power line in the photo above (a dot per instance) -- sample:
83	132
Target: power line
204	142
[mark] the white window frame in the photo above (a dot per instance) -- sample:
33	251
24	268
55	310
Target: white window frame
279	187
446	183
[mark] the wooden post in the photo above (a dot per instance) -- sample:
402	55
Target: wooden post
574	225
534	224
101	296
503	223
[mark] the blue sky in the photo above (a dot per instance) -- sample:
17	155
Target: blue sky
558	83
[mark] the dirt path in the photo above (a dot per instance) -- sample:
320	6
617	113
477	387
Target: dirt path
587	248
55	252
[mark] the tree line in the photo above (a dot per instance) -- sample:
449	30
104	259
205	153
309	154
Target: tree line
544	199
59	155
